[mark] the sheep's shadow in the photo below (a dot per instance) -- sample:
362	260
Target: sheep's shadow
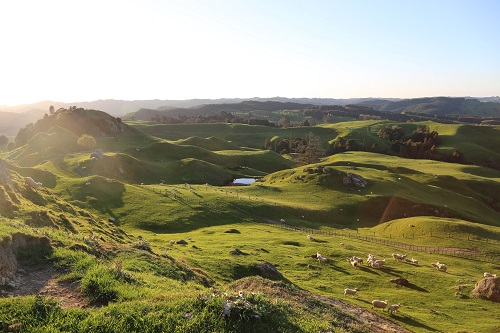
340	269
415	287
391	271
413	322
366	269
319	241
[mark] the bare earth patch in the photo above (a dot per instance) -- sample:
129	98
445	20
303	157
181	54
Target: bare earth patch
42	280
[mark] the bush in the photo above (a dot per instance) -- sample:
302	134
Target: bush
100	285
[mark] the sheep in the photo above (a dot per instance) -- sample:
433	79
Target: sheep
311	238
488	275
440	266
398	256
378	263
358	259
348	291
321	258
408	260
379	304
282	220
371	258
353	262
172	242
414	261
393	307
31	183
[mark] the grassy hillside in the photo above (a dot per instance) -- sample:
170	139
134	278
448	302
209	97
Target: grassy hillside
114	263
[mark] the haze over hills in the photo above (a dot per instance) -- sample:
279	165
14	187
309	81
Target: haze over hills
12	116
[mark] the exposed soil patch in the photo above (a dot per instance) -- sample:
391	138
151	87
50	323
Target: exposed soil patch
42	280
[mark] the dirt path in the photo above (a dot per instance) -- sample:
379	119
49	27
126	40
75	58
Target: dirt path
42	280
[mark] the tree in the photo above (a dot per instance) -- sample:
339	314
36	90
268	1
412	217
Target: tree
284	122
3	140
51	109
313	150
87	142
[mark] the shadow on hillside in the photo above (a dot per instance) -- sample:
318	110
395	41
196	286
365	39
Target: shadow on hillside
414	323
391	271
341	270
416	288
368	270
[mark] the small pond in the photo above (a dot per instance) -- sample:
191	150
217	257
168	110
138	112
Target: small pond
243	181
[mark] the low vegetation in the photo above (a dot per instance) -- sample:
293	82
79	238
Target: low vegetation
145	237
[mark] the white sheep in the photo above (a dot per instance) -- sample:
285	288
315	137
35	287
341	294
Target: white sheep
379	304
31	183
414	261
321	259
353	262
378	263
398	256
488	275
440	266
172	242
393	307
348	291
282	220
358	259
311	238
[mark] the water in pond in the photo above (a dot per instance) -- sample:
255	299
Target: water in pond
243	181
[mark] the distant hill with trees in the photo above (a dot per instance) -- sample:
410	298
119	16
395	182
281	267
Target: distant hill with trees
438	106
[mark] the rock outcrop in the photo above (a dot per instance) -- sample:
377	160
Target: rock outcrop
488	288
354	179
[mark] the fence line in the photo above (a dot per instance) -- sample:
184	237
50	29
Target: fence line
455	252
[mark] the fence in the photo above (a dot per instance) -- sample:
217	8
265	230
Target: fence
455	252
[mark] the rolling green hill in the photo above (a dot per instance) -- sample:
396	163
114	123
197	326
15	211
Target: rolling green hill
108	255
440	106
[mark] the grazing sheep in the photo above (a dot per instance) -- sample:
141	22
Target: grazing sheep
348	291
398	256
378	263
414	261
321	259
172	242
311	238
282	220
393	307
353	262
379	304
488	275
408	260
440	266
31	183
358	259
371	258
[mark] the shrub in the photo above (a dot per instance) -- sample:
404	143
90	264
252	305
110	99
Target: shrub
100	285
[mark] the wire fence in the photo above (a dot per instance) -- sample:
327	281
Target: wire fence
450	251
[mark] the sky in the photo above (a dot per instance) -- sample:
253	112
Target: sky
74	51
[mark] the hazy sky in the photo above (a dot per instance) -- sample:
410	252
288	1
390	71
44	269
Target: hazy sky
73	50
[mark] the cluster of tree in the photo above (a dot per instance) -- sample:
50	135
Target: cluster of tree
77	120
221	117
309	149
420	144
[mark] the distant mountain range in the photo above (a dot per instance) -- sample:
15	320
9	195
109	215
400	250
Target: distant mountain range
12	118
440	106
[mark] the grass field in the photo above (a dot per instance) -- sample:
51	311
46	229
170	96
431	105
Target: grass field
112	236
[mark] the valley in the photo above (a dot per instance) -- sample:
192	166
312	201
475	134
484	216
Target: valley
145	235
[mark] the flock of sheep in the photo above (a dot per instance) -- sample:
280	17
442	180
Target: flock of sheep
378	263
373	262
